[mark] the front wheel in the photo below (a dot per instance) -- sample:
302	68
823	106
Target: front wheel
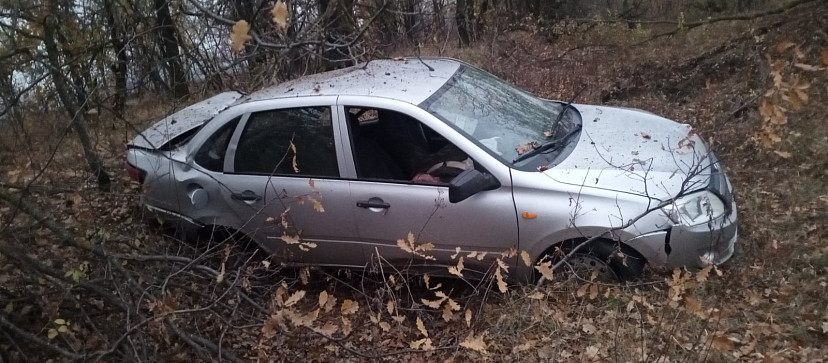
608	259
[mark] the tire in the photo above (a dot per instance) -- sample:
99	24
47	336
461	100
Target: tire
602	255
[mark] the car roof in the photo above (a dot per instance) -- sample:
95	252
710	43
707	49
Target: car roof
410	80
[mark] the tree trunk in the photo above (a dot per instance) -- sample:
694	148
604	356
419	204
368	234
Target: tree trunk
338	24
437	18
479	24
169	49
462	22
410	20
388	21
78	122
119	68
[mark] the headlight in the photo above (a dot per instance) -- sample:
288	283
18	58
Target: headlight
696	208
718	180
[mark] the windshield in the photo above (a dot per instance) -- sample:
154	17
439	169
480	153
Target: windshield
502	118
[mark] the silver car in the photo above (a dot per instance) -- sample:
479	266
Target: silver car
420	161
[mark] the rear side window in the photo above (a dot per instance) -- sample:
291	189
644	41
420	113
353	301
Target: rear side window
264	145
211	154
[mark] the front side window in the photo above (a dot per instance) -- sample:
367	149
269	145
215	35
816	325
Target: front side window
211	154
265	144
390	145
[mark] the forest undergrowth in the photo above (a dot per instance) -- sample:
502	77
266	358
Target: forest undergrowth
757	90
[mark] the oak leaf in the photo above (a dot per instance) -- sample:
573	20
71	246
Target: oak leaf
291	240
692	305
323	298
317	205
293	162
593	291
524	148
702	275
501	284
457	270
280	15
328	329
582	290
421	327
537	295
722	343
293	299
592	352
349	307
302	320
474	343
239	35
447	314
783	46
545	268
527	260
434	304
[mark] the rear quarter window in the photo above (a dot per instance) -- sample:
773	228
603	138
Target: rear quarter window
211	155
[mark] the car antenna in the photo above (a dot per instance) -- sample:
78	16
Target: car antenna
421	60
569	104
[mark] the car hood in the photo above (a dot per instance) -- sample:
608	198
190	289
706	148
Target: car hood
634	152
178	123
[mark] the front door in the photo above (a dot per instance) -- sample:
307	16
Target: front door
400	187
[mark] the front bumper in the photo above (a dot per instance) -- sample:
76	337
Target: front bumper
704	244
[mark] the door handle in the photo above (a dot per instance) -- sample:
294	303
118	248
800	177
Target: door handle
373	204
246	196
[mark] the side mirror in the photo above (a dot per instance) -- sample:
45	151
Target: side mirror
470	182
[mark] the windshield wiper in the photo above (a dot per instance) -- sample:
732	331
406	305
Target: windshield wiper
550	144
547	146
568	105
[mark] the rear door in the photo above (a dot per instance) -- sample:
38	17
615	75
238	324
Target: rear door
282	180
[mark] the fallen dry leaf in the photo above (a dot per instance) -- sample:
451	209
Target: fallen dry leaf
293	299
474	343
593	291
349	307
783	154
501	284
722	343
783	46
524	148
457	270
545	268
421	327
323	298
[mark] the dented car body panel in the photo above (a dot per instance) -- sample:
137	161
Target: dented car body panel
296	167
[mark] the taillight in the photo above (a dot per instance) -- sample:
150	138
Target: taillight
135	173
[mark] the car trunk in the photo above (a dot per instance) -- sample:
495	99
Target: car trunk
177	128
